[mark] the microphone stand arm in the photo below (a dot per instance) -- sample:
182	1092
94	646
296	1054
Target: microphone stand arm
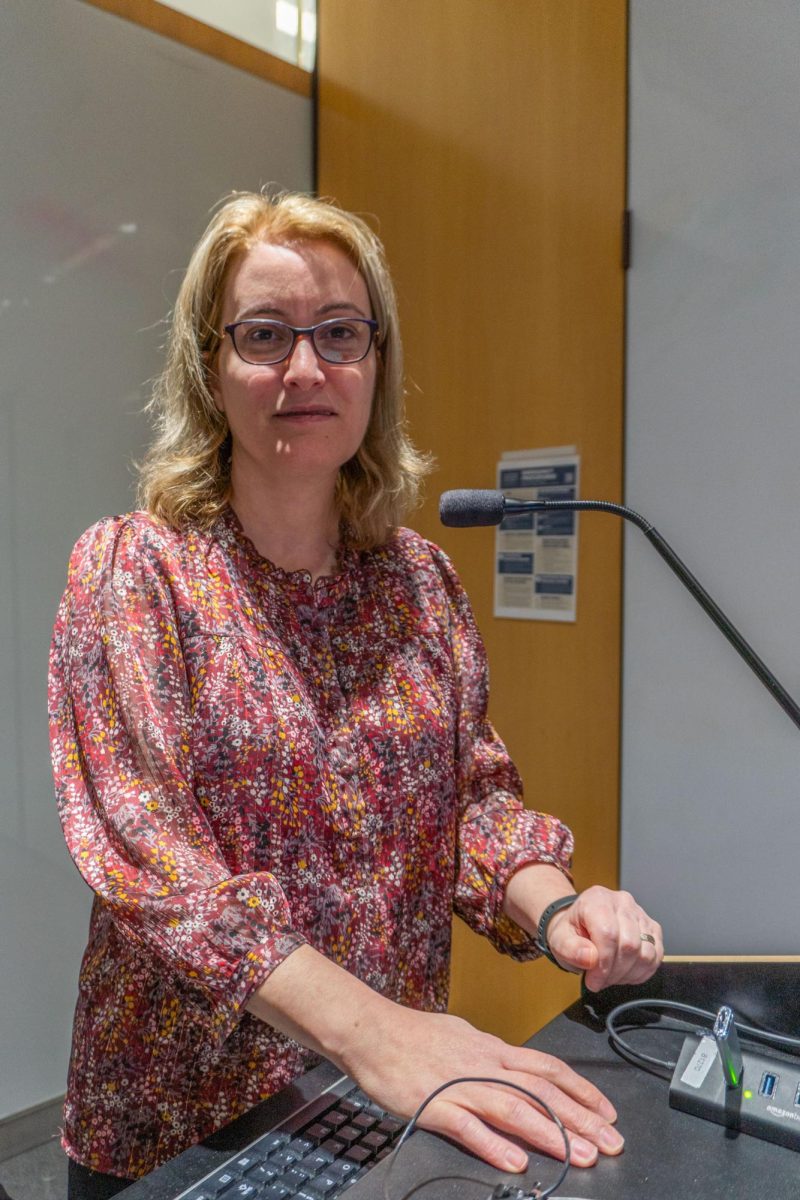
686	577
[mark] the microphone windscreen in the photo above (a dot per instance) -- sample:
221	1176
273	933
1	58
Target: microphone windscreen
471	506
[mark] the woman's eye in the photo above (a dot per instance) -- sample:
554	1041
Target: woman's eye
340	332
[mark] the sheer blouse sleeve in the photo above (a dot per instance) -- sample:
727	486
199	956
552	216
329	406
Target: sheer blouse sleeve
121	737
497	834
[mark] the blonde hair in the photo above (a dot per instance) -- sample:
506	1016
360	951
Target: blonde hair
185	475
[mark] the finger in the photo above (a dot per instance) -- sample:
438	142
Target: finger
464	1126
475	1122
598	918
535	1067
649	956
637	959
572	950
587	1129
614	922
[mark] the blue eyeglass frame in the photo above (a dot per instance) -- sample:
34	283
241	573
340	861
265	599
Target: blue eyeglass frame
304	330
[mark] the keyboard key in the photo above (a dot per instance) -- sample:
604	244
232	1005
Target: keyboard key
348	1183
326	1183
295	1177
271	1141
245	1189
341	1169
335	1118
301	1145
316	1161
364	1120
275	1191
348	1134
391	1125
245	1161
359	1154
374	1141
264	1172
317	1132
220	1182
284	1157
333	1147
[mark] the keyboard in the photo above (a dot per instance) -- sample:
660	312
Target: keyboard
315	1154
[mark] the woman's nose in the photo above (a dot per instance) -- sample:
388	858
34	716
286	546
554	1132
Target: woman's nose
303	366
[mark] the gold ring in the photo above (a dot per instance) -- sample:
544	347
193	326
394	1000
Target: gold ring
648	937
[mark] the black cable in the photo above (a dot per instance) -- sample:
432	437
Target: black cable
764	1035
520	1194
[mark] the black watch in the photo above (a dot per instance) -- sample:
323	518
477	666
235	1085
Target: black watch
540	941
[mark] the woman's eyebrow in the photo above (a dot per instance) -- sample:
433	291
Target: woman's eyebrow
261	310
339	305
273	312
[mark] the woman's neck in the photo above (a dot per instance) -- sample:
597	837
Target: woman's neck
297	531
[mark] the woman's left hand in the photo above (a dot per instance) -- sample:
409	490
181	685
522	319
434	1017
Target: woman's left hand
608	936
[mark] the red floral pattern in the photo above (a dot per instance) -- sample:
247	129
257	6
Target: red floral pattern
246	761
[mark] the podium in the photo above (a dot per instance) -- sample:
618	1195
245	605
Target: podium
668	1155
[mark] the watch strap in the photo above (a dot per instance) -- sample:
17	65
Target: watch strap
540	941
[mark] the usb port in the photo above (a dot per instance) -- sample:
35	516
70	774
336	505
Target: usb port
769	1082
797	1097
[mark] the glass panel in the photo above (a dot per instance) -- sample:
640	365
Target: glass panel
285	28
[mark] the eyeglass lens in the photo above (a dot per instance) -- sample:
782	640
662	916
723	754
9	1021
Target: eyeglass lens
261	342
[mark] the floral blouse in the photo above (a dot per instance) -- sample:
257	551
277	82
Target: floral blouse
246	761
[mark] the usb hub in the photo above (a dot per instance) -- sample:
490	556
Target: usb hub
765	1103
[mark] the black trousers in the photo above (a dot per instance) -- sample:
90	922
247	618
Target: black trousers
85	1184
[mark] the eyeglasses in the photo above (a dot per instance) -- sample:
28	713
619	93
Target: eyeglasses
263	343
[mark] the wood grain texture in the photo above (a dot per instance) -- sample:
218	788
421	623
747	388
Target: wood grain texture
159	18
488	141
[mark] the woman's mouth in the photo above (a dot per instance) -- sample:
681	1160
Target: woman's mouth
310	413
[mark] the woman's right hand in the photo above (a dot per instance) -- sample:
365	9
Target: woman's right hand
406	1055
398	1056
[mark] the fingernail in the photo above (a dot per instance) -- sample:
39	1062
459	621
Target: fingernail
611	1141
607	1110
516	1159
583	1153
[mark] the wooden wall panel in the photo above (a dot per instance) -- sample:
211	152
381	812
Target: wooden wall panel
488	140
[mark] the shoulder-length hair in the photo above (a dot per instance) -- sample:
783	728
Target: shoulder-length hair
185	476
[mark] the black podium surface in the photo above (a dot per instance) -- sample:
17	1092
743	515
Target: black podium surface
668	1154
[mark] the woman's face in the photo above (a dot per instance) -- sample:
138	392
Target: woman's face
302	418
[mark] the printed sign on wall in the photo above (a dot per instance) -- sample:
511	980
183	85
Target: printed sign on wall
536	554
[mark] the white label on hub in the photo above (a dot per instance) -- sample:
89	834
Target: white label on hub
700	1063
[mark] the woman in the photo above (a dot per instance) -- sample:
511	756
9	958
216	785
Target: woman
270	743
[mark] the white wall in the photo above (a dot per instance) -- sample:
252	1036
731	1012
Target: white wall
115	143
711	765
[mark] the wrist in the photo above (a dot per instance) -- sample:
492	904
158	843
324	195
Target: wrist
530	890
336	1027
551	913
368	1029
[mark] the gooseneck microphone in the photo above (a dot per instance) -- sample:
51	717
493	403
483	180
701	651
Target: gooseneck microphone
480	506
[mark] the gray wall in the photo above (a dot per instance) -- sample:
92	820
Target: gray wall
115	144
711	765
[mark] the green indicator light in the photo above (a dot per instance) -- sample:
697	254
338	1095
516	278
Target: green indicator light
748	1095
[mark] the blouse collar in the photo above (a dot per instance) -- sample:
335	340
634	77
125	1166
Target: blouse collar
228	532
